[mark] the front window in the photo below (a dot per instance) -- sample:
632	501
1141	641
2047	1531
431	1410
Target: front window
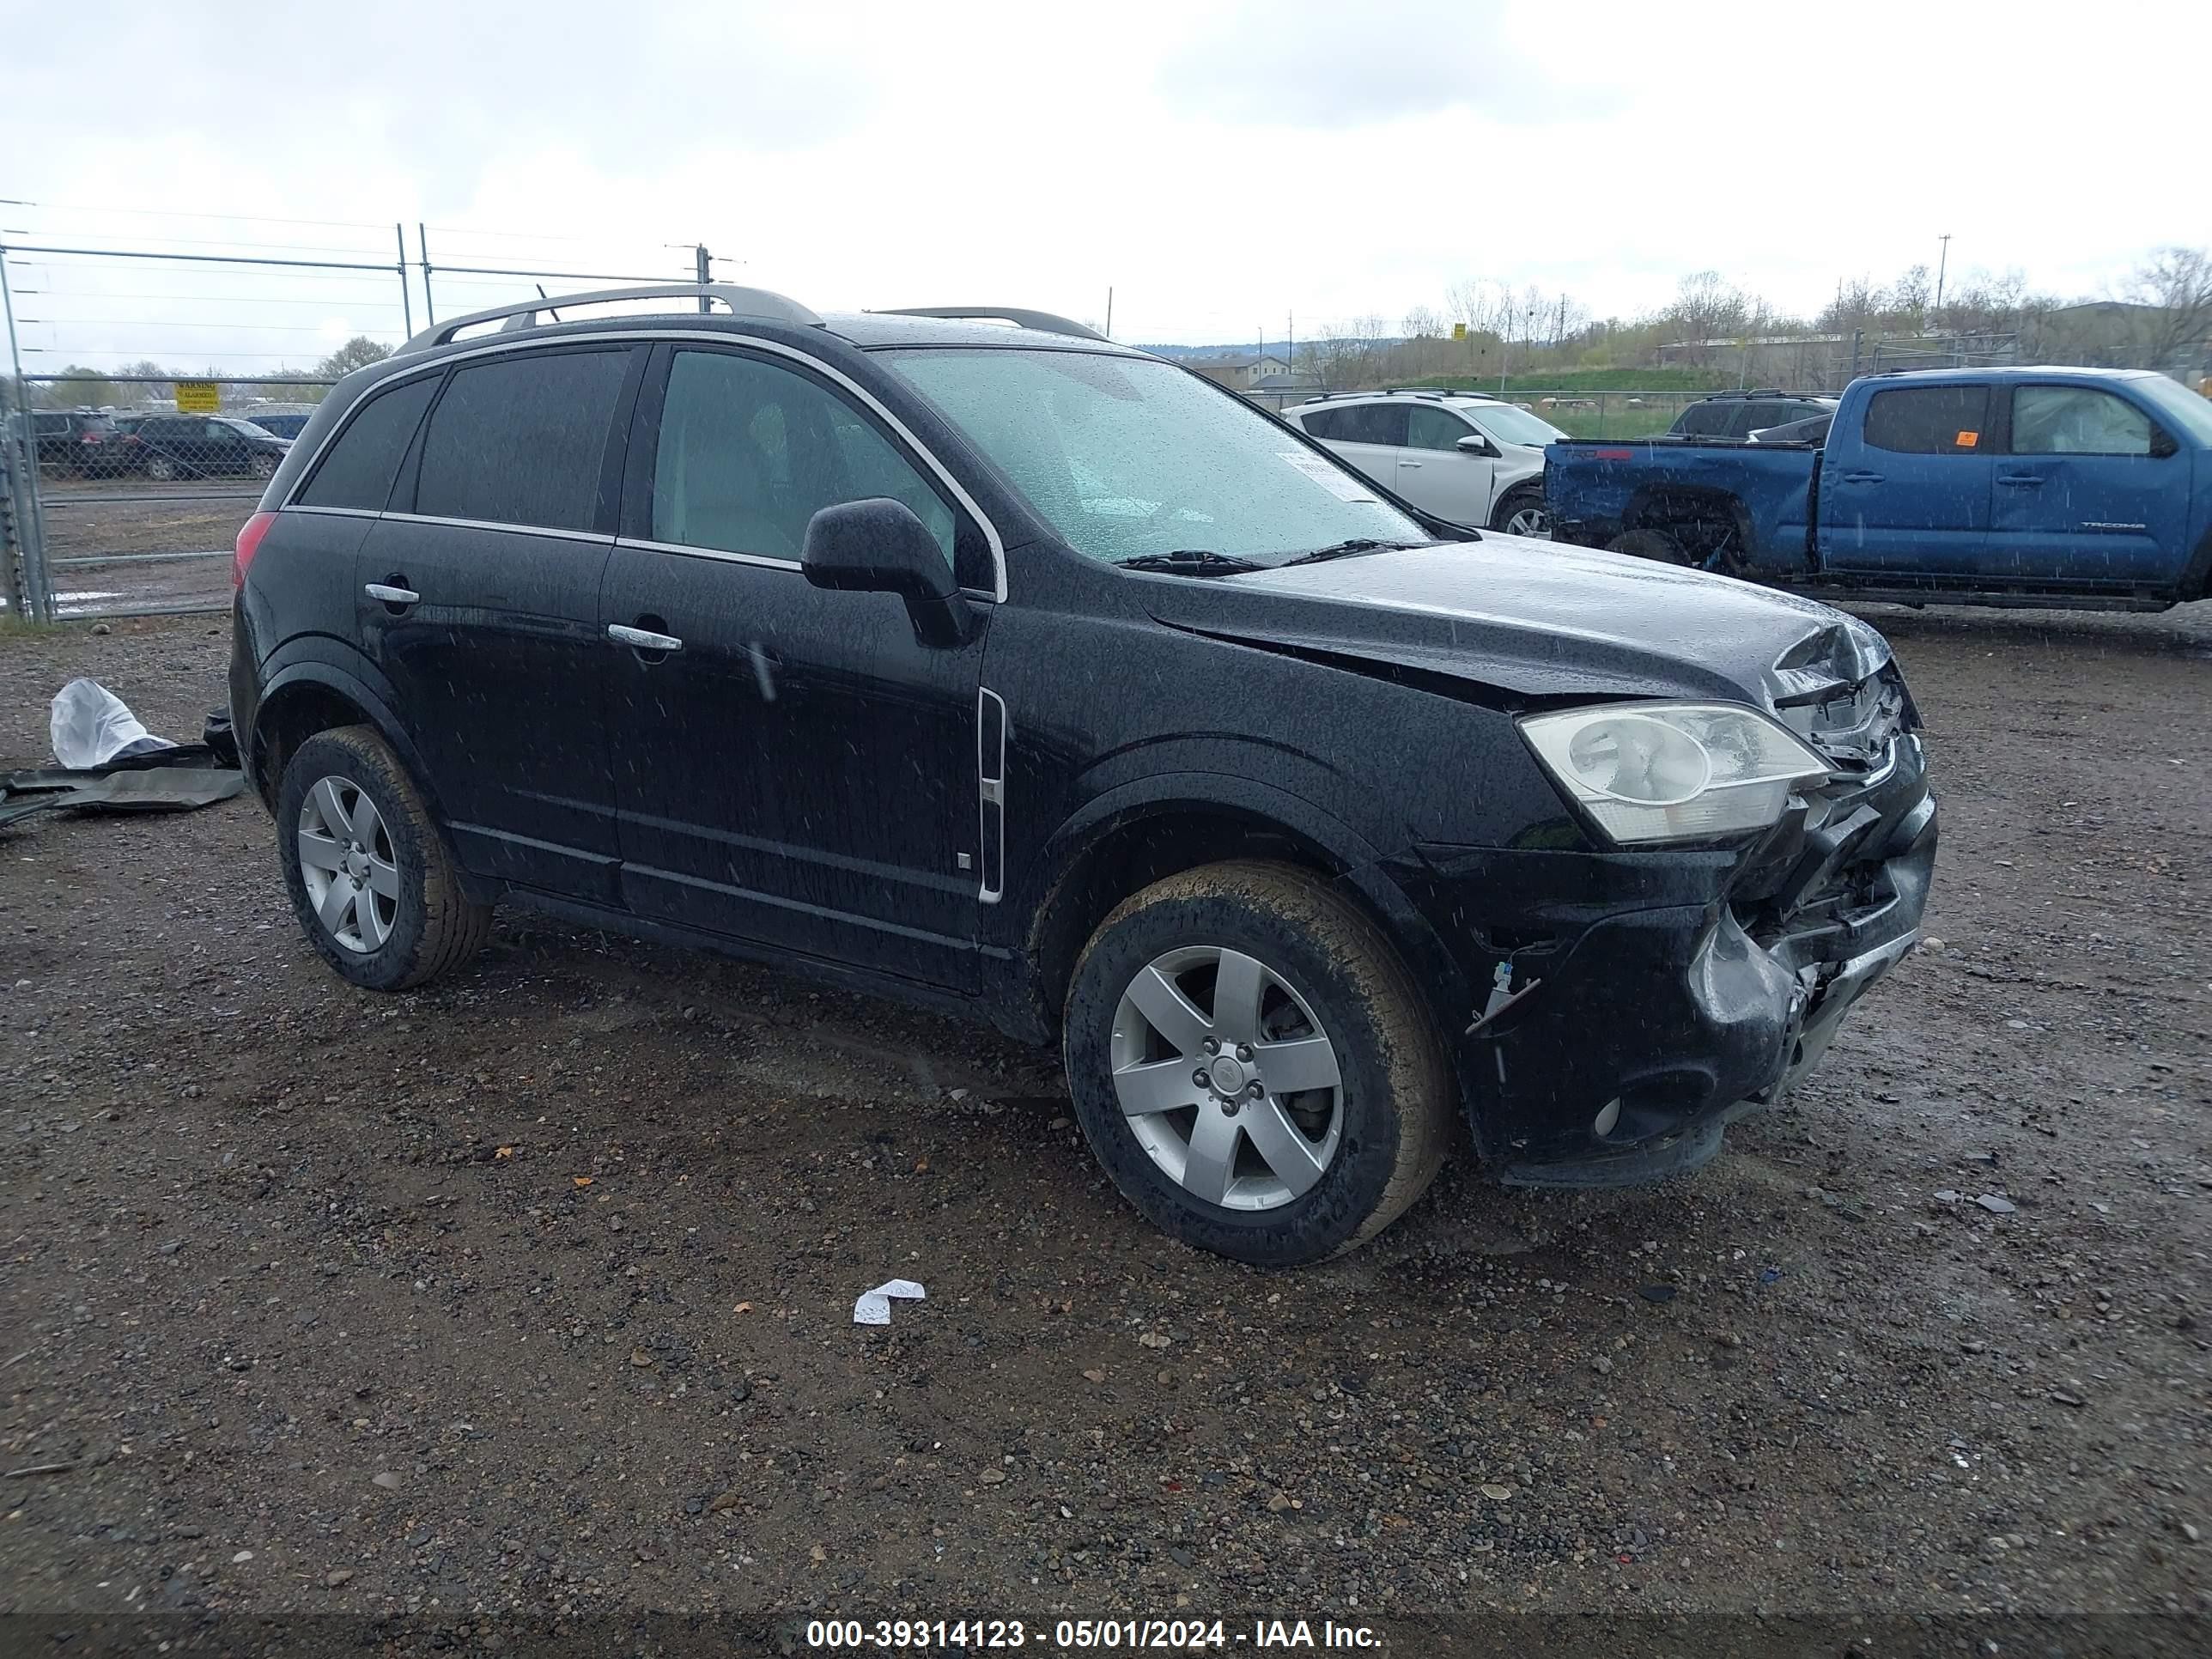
2076	420
1431	427
1128	456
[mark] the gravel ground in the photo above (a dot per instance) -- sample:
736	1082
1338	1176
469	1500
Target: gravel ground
520	1305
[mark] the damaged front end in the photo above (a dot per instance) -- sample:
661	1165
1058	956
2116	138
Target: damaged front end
1643	999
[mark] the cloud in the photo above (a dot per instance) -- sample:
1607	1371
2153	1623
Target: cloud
1315	64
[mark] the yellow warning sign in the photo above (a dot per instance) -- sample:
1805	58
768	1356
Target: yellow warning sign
198	397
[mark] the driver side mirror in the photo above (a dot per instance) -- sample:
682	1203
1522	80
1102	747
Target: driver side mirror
878	546
1476	444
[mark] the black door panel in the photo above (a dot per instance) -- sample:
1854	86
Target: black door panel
801	772
497	668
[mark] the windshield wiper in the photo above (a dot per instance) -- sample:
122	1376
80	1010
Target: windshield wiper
1344	550
1190	561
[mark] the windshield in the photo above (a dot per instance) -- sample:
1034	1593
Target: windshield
2182	407
1509	425
1129	456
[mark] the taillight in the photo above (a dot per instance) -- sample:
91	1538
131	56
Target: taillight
249	544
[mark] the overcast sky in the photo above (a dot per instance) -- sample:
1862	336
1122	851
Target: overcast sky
1220	165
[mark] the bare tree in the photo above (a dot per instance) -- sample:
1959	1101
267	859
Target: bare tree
2174	329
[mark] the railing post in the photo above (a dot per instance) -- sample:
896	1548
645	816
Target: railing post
23	445
430	305
406	304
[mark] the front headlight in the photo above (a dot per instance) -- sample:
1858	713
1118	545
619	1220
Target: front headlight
1672	771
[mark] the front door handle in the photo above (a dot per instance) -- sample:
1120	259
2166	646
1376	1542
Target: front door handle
1411	466
642	638
392	594
2021	480
1863	478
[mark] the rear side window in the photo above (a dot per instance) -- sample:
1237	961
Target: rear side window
521	439
360	467
1320	422
1370	423
1928	420
1704	420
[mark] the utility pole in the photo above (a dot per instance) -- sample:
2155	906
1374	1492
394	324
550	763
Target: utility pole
1942	264
1109	310
705	264
1291	334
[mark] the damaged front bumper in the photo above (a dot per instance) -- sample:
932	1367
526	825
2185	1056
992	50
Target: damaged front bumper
1652	997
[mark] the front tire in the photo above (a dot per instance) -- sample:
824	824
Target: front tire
1253	1064
160	469
1522	513
375	885
263	466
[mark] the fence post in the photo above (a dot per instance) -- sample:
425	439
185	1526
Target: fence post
406	306
22	444
430	305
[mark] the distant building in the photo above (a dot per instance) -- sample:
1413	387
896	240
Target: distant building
1239	370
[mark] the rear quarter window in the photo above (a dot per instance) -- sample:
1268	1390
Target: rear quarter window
1928	420
521	439
358	469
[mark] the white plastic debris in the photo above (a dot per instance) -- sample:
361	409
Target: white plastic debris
874	1307
92	727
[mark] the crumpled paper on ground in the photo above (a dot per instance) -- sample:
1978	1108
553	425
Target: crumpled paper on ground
874	1307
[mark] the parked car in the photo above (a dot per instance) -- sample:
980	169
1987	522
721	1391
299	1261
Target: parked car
1019	673
1737	414
1813	431
280	420
73	440
2073	487
1473	459
205	446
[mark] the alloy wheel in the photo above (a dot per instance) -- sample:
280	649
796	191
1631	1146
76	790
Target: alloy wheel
1226	1077
347	861
1529	521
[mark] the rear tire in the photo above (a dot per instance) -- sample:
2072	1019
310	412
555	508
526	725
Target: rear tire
160	469
1359	1114
375	887
1522	513
264	466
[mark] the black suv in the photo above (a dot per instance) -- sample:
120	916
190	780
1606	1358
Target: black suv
1740	414
1017	672
205	446
79	440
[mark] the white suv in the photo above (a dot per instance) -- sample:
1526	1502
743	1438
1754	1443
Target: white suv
1473	459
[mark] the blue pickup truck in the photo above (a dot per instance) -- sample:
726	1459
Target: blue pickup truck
2068	487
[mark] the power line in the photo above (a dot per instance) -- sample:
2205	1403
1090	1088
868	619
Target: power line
187	213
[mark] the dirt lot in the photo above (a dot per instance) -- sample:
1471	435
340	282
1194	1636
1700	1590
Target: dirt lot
523	1304
92	517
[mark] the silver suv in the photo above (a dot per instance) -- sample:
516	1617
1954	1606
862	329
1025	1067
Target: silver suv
1470	458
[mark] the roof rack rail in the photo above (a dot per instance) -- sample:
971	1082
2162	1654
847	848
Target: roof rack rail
742	302
1043	321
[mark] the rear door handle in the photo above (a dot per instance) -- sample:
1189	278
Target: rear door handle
393	595
2021	480
640	639
1863	478
1412	466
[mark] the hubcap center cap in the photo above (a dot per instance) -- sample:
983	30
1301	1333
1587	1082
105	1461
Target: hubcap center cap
1228	1075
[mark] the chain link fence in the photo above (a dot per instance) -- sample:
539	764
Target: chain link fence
129	470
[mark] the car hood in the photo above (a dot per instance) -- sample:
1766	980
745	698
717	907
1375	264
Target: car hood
1538	621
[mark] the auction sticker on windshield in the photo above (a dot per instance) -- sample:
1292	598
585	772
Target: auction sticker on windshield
1337	482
